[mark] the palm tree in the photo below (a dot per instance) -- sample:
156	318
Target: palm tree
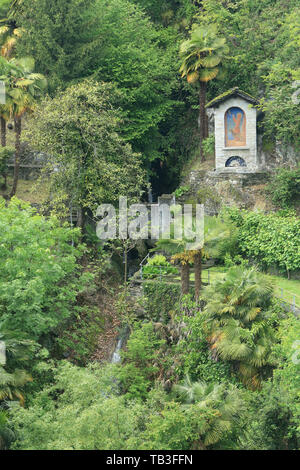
4	115
8	40
12	381
215	231
3	128
6	434
23	87
9	32
9	12
236	322
181	256
221	403
12	384
201	56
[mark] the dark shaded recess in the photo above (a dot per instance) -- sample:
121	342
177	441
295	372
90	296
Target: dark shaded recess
163	179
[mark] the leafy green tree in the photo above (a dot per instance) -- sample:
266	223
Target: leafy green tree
284	189
140	361
89	162
201	56
83	410
40	278
237	324
61	35
267	422
286	375
192	353
111	42
177	14
264	39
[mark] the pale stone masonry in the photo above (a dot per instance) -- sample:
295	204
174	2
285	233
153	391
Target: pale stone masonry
235	131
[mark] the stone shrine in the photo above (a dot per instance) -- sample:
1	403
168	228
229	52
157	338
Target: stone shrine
235	118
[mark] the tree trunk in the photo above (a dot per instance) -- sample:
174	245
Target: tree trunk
125	267
206	133
198	445
18	131
203	117
185	279
3	132
3	144
80	219
198	274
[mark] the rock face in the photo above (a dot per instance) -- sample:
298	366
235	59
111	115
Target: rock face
217	188
278	155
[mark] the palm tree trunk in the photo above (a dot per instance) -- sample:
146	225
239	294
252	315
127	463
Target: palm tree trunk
202	116
3	132
198	274
3	144
206	133
198	445
185	279
18	131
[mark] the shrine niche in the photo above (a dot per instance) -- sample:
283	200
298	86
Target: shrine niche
235	119
234	162
235	128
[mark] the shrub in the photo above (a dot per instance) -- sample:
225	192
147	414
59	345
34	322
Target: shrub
158	266
271	240
140	361
209	145
160	300
181	191
284	190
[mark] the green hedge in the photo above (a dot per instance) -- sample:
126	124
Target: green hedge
160	299
271	240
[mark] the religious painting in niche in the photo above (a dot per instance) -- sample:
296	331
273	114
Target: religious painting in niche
235	128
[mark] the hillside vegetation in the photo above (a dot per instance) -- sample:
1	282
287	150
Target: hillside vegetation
123	344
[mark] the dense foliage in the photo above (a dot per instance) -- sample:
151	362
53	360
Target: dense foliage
271	240
40	278
284	189
92	163
92	360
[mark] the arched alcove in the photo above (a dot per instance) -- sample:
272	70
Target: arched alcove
234	162
235	127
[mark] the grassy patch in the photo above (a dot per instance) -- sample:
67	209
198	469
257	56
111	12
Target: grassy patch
29	191
291	288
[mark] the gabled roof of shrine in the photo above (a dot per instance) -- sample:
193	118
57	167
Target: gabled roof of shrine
232	93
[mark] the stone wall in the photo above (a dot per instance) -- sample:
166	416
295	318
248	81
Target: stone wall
215	189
